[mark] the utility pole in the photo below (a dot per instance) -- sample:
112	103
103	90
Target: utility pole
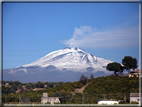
19	98
82	98
5	98
125	97
96	97
69	99
105	96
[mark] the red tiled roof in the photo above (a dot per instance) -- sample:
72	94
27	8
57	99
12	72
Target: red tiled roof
135	94
137	71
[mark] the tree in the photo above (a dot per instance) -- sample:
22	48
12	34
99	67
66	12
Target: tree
32	85
60	83
10	82
92	76
3	82
28	86
129	63
121	72
21	88
39	85
64	98
8	90
17	83
50	85
83	79
11	90
57	94
114	66
14	87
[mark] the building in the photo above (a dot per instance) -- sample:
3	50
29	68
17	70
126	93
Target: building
45	99
136	73
23	88
108	102
6	83
136	97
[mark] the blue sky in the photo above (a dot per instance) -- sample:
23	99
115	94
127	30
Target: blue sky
32	30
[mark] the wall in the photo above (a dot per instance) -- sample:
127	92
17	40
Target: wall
137	99
108	102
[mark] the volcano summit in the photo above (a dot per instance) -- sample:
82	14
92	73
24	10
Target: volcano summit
62	65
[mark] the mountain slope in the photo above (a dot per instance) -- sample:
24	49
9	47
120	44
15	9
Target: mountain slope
69	58
63	60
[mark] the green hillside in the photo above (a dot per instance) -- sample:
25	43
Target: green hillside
110	87
113	85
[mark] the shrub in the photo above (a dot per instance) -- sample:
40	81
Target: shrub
134	102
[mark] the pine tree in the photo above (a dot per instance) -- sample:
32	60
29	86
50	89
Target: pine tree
83	79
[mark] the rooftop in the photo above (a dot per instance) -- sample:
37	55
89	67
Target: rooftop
137	71
135	94
108	100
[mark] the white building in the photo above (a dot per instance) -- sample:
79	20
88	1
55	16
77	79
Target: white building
108	102
136	97
46	99
6	83
137	73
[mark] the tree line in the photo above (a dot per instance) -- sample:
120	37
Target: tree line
13	86
128	63
109	87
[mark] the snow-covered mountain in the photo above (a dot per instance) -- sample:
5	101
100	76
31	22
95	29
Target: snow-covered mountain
64	60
